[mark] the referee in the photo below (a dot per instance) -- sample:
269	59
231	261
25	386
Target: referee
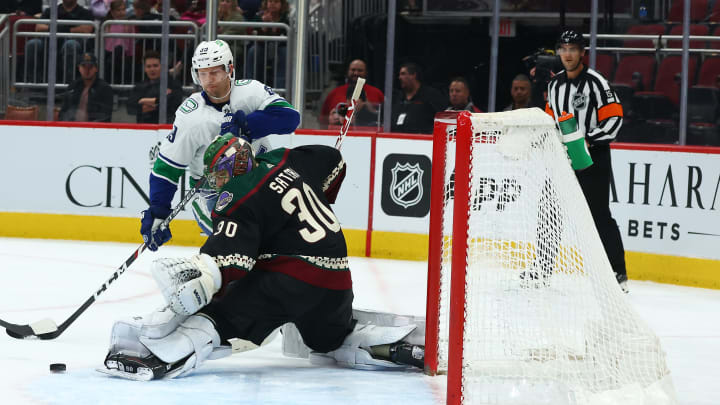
584	93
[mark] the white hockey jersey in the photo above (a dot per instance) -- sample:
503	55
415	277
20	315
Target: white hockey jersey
197	123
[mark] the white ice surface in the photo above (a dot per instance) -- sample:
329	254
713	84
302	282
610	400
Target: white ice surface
42	278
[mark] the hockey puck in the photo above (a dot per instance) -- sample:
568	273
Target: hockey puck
58	367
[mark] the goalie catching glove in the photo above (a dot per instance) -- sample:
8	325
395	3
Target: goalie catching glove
574	140
187	284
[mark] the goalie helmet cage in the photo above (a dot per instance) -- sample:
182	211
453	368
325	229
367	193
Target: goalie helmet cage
522	304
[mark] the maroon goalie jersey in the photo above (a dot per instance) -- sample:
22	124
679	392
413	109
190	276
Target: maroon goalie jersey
278	218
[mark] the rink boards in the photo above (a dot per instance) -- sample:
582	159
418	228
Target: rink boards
76	181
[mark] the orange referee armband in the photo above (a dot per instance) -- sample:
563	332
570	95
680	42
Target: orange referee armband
609	110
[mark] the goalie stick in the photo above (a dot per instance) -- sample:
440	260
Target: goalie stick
47	329
350	112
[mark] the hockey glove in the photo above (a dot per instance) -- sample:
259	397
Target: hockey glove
236	124
153	235
574	140
187	284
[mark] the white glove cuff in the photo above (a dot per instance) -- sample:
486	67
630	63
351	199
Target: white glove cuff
211	278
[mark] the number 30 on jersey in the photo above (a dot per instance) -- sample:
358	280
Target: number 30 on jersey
311	211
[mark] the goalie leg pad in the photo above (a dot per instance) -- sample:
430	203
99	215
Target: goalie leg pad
355	350
126	333
293	345
195	340
416	337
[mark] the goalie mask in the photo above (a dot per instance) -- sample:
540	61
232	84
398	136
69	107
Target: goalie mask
226	157
209	54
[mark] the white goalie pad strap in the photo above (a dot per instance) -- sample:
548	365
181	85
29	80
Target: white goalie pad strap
292	343
187	284
126	333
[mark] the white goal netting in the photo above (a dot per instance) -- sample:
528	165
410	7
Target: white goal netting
543	319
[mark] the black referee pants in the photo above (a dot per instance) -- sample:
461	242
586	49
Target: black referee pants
254	306
595	184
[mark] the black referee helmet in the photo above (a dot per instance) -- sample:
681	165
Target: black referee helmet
570	37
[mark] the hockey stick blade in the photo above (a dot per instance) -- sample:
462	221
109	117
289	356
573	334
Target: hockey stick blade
43	329
47	329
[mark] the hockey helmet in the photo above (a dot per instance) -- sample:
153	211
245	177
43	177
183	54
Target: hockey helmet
226	157
570	37
209	54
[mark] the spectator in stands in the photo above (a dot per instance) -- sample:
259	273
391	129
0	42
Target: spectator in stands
69	49
229	11
99	8
249	8
356	68
415	106
174	12
460	99
520	93
145	97
142	12
262	57
118	51
196	12
21	7
89	98
367	114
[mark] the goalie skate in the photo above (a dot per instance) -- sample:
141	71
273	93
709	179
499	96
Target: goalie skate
140	368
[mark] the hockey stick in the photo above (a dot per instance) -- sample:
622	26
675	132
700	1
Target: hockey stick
47	329
350	112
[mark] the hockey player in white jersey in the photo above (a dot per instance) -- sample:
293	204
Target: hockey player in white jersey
246	108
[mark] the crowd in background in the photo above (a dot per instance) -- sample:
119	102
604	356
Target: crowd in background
125	56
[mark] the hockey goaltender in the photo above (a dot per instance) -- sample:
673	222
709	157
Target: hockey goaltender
276	259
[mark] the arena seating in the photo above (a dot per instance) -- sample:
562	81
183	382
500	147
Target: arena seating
643	64
695	29
667	80
604	63
698	10
644	29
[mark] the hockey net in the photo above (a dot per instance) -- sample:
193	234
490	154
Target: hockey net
523	306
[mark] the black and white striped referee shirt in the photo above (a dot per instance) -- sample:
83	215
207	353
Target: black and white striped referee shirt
591	99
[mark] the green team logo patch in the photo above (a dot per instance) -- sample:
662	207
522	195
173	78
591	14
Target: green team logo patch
242	82
188	106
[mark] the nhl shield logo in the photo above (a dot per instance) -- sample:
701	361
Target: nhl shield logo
406	188
579	101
